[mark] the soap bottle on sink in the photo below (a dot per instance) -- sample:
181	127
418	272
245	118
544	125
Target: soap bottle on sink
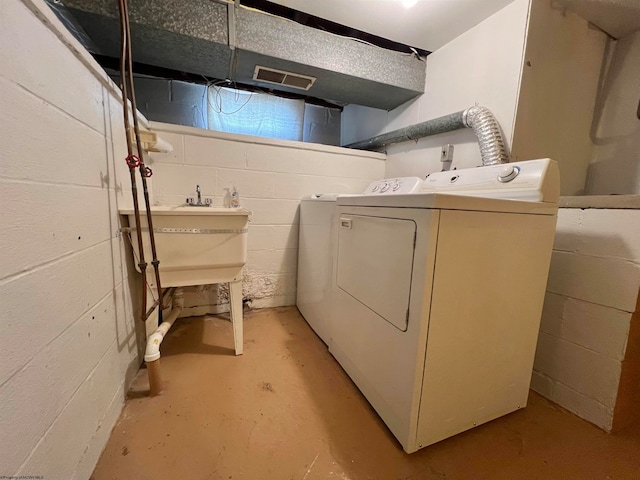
235	198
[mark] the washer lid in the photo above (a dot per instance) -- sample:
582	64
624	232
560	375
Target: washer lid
320	197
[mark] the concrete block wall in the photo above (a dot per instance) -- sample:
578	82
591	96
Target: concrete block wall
69	339
271	177
590	306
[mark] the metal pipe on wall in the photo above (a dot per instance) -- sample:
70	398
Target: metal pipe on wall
132	164
447	123
133	161
492	146
145	171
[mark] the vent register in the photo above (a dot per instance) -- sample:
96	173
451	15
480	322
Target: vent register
280	77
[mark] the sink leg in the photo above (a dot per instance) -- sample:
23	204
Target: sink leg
235	291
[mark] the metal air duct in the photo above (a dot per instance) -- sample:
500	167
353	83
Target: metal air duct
492	146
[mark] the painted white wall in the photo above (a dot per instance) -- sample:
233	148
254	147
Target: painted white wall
591	295
271	177
481	66
563	61
69	339
615	167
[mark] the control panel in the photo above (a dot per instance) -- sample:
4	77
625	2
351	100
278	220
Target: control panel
394	186
532	180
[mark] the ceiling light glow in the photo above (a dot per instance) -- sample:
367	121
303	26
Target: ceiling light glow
409	3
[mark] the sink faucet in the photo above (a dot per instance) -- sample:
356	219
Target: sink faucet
192	202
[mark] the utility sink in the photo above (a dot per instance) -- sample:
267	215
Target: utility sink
197	246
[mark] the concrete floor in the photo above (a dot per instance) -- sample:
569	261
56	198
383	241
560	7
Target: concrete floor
286	410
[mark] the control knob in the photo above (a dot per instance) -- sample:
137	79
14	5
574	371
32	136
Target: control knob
508	173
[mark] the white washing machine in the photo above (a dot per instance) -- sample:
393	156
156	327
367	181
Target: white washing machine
316	247
437	296
316	244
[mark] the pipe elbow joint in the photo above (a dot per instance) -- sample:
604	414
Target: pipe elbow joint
152	352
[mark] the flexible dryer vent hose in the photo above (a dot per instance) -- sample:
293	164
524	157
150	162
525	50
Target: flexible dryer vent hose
492	146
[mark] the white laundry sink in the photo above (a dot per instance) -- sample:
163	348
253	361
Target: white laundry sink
195	245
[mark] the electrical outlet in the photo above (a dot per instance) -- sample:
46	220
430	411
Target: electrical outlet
446	153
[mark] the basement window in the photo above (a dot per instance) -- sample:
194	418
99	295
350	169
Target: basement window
255	113
222	108
266	115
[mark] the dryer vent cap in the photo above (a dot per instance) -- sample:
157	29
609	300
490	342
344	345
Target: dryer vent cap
280	77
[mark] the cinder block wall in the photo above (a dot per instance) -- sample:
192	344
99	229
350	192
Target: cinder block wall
271	177
590	308
68	341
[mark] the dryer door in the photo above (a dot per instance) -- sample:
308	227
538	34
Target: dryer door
375	263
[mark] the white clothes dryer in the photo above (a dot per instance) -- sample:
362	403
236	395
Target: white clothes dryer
437	296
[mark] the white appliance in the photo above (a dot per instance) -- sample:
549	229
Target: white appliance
316	243
316	246
437	296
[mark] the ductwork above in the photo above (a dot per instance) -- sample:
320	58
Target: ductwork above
225	41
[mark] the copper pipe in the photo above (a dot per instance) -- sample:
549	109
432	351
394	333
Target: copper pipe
143	168
151	309
134	187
